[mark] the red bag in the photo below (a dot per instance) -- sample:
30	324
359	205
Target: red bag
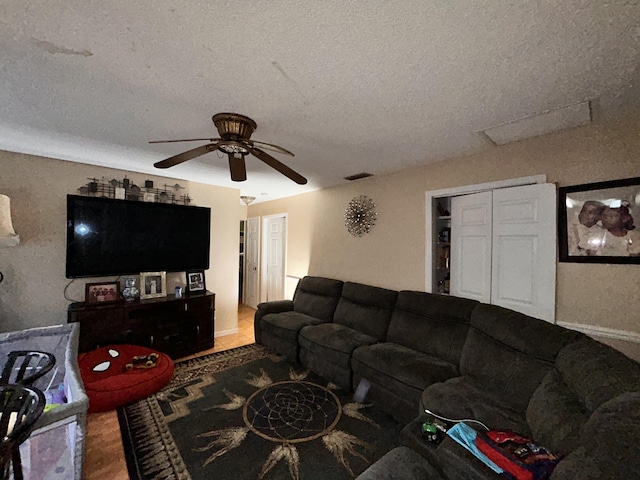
518	456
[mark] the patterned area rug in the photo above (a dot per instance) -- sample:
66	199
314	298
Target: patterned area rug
247	414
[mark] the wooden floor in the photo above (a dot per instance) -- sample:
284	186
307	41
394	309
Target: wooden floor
104	455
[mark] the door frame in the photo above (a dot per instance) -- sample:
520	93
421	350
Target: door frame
432	195
264	249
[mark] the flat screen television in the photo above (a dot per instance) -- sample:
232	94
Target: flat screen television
117	237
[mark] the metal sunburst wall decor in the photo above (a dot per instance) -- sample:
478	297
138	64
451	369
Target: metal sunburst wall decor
360	216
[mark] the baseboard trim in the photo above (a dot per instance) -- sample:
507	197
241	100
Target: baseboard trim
603	332
222	333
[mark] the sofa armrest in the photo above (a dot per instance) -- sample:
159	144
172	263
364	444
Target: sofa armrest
266	308
275	307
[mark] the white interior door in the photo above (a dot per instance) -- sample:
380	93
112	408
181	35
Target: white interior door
252	259
471	231
274	254
524	250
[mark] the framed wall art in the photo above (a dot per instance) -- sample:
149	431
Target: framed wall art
153	285
102	292
597	222
196	282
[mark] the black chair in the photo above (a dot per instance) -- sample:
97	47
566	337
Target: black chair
25	367
20	408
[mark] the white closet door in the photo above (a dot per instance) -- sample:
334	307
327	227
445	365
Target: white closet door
524	250
252	257
276	241
471	246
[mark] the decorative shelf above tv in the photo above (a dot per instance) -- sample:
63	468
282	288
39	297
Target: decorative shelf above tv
125	189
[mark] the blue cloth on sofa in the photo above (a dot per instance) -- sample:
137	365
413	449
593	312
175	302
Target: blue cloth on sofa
466	436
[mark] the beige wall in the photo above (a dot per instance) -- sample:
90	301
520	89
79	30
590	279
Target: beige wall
32	292
393	254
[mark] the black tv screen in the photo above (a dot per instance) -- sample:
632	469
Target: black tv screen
116	237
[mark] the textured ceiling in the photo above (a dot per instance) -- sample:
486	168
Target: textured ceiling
347	86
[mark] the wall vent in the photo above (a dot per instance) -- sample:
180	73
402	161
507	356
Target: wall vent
358	176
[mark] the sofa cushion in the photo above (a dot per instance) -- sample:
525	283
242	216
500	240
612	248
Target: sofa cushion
555	415
286	325
396	367
461	398
509	353
584	465
366	309
332	342
400	403
401	463
610	440
436	325
619	418
597	372
317	297
338	375
285	348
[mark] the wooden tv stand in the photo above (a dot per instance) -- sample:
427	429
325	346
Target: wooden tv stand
175	326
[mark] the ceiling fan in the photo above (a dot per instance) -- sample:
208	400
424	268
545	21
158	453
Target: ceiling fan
235	132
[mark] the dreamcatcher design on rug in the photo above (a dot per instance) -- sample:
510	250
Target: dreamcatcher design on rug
287	413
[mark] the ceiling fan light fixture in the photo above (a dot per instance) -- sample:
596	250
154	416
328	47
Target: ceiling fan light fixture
233	148
234	124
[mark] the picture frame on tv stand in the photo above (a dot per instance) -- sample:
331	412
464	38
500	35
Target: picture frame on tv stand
102	292
153	285
196	282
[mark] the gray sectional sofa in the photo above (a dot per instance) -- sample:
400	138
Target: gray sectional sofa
464	359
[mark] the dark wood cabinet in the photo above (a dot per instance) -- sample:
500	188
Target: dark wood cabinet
175	326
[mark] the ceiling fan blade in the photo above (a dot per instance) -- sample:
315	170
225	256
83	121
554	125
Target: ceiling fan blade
269	146
184	156
186	140
237	167
281	167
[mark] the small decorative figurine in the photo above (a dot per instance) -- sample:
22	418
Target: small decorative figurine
130	291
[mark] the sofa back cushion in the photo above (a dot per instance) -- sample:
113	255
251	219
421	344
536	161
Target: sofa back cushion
366	309
509	353
433	324
555	415
317	297
588	374
596	372
608	443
